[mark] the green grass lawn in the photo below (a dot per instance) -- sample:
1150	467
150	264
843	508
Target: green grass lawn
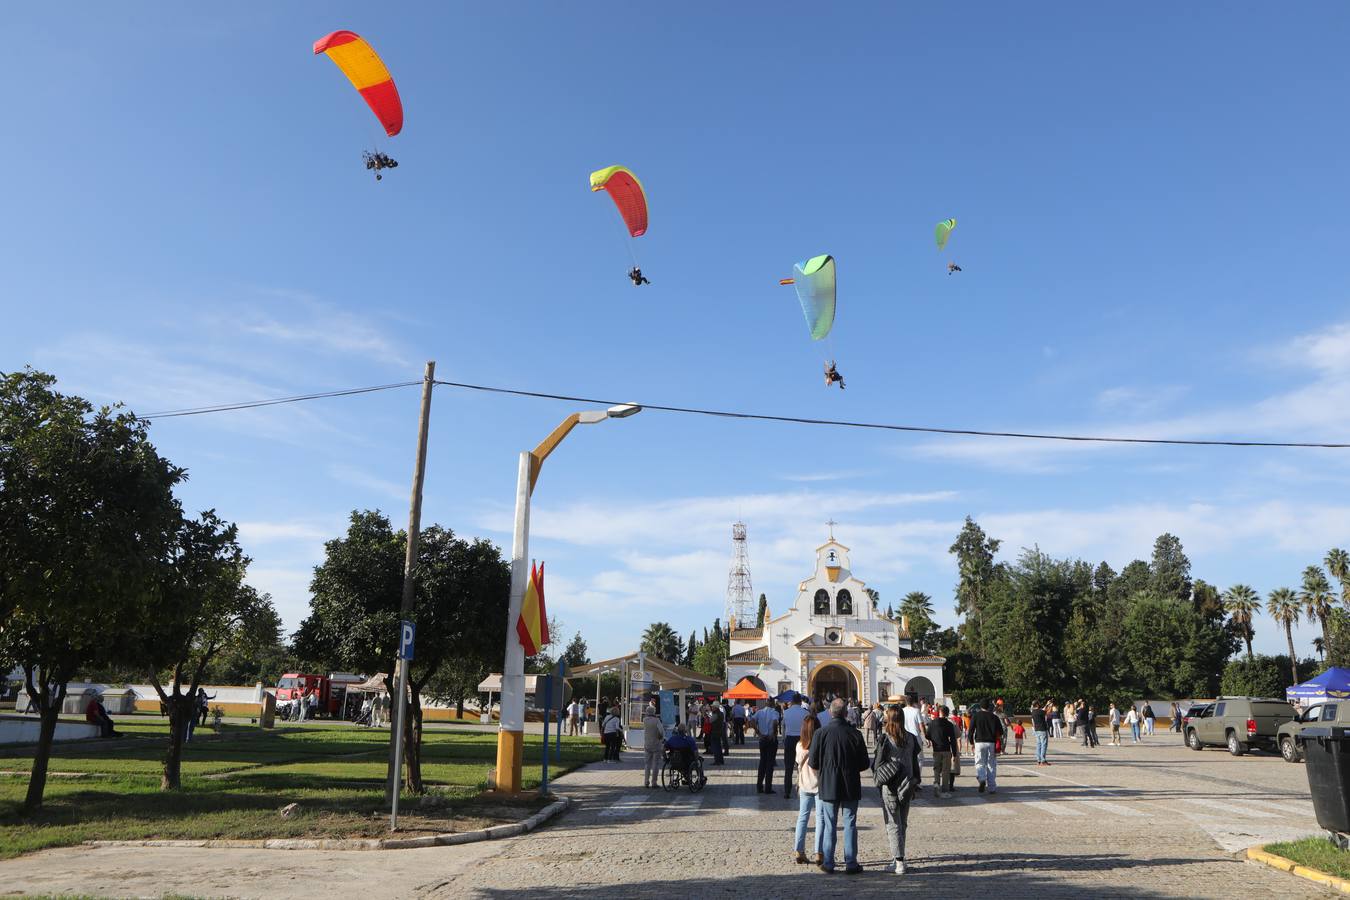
334	771
1315	853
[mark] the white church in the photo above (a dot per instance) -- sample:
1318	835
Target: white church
832	642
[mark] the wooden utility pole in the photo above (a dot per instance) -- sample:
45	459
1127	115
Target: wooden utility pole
409	588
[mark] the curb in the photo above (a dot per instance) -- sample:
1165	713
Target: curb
1256	854
496	832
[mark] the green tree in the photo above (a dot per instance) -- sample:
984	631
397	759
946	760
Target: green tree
711	659
576	652
1208	601
1242	602
661	641
1317	597
456	681
763	611
1170	571
1338	564
1284	607
918	606
87	516
1335	649
1255	676
976	572
1172	651
356	601
249	663
690	650
202	608
874	596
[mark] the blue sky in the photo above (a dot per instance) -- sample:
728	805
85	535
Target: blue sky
1152	229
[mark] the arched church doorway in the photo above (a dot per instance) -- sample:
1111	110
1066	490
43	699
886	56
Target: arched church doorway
833	681
920	688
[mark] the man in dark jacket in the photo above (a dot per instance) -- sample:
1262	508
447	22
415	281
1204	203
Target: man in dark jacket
942	737
987	731
839	756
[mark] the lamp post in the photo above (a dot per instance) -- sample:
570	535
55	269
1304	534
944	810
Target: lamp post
510	739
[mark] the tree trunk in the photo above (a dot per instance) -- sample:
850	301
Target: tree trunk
1325	643
1293	658
412	744
49	710
181	710
459	708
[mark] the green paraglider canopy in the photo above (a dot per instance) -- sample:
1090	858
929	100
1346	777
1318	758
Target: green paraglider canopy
944	230
814	282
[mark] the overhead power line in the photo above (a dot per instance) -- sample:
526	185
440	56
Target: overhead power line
882	426
254	404
757	417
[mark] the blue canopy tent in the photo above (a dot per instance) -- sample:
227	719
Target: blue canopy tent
1333	684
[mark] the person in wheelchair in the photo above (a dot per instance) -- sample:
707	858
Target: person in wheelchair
681	751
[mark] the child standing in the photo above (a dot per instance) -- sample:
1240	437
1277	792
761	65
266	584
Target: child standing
1019	731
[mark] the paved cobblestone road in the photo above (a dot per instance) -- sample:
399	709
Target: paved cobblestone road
1156	820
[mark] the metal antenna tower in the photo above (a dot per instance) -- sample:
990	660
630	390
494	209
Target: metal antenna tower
740	593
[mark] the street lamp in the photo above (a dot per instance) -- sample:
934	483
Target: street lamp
511	737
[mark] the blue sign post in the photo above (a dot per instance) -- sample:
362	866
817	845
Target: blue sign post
407	631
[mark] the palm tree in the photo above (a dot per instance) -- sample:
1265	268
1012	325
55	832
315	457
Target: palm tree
661	641
1284	607
1241	602
1317	598
1321	647
1338	564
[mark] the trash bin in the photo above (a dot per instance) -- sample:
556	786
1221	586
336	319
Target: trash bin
1326	750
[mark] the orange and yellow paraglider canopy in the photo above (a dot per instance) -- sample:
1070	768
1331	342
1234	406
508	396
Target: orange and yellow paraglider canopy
367	73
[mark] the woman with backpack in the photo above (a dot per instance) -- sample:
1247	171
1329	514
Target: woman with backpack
893	772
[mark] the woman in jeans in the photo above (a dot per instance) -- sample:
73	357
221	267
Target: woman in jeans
895	796
806	794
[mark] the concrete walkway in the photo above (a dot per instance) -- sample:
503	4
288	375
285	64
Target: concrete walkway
1156	820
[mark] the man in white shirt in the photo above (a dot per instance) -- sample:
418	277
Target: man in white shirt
766	724
914	726
793	717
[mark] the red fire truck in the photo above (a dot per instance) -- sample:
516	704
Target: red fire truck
332	691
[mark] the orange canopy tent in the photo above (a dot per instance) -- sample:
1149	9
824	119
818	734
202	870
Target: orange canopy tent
745	690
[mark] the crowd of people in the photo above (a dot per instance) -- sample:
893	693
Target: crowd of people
824	747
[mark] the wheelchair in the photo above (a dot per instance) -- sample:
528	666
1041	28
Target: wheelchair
673	778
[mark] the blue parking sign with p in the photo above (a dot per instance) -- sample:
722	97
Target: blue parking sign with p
405	640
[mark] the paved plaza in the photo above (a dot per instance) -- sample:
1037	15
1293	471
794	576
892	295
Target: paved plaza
1156	820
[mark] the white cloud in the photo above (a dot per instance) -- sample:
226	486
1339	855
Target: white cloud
252	533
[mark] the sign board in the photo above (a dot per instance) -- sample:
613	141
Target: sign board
406	632
667	703
641	682
552	692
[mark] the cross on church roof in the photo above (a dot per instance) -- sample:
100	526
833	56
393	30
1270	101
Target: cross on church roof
831	523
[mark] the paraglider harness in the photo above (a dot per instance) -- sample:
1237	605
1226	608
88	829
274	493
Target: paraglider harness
378	161
832	375
638	278
952	267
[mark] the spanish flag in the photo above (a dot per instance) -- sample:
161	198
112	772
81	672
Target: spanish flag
532	626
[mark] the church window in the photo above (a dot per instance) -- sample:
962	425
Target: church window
844	603
822	603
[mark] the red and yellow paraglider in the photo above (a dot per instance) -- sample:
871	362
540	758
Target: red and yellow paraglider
630	199
368	74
